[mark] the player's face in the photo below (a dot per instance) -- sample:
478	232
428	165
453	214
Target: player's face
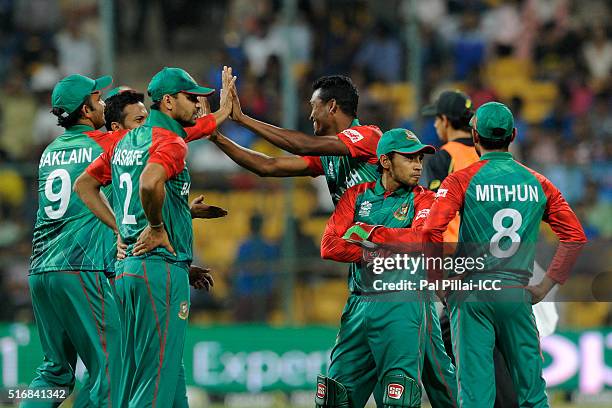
187	108
406	169
135	115
320	115
96	112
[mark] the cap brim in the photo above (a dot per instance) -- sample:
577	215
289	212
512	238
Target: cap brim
103	83
430	110
200	91
427	149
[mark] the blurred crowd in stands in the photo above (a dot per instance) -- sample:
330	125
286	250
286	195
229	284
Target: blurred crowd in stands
549	60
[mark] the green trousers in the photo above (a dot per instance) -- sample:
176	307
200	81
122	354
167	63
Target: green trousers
76	314
154	301
439	375
477	323
378	335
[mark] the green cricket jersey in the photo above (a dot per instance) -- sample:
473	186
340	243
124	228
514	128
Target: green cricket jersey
501	203
342	172
160	140
398	217
67	236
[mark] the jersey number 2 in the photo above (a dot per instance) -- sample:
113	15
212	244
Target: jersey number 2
125	179
508	232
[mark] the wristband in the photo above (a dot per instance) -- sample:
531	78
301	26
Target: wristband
161	224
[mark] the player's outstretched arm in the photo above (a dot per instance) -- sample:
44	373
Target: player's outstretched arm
292	141
334	245
259	163
87	188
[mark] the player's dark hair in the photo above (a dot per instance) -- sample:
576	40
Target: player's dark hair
379	167
490	144
462	123
340	88
113	112
69	120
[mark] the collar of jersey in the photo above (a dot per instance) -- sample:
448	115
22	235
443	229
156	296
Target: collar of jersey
355	122
158	119
79	129
497	156
379	189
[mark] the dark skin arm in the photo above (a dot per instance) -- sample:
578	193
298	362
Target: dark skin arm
152	195
88	189
290	140
259	163
199	209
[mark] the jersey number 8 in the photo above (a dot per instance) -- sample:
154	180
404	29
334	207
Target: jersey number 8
506	232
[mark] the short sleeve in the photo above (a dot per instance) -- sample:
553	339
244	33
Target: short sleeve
314	165
361	141
170	152
204	126
100	169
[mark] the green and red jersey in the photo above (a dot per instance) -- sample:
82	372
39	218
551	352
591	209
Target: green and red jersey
342	172
398	218
67	236
160	140
501	203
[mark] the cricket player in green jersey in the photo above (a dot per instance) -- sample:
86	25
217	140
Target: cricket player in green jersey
72	251
382	332
150	184
501	203
344	151
125	110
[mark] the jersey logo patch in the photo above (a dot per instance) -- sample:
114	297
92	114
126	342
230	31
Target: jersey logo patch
441	192
401	212
353	135
365	208
321	390
183	310
395	390
422	214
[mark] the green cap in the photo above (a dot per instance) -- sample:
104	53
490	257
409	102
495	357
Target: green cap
493	121
117	91
402	141
69	93
169	81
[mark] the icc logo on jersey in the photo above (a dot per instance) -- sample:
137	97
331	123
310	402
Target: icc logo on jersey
183	310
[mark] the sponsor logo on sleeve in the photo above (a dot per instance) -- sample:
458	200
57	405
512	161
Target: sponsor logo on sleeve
441	192
353	135
422	214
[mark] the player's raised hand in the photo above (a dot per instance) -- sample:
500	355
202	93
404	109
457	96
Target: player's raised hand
228	81
200	278
236	108
151	238
201	210
121	248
